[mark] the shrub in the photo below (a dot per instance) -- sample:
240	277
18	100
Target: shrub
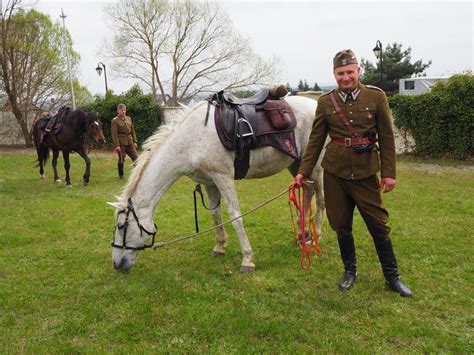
143	110
441	121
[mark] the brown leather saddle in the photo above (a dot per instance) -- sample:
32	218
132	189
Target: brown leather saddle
246	124
52	125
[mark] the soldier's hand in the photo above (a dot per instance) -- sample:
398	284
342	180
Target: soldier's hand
117	149
298	180
135	146
387	184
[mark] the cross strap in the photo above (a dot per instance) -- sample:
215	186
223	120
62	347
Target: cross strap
343	117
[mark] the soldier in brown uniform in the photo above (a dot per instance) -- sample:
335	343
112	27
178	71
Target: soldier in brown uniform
351	163
124	137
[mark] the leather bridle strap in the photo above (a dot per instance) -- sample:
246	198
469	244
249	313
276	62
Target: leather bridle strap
124	226
198	190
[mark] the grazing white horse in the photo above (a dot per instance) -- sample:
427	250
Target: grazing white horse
189	147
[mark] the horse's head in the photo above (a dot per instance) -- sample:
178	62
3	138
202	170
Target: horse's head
130	236
94	127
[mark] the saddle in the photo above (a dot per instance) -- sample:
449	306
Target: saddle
242	125
55	123
52	125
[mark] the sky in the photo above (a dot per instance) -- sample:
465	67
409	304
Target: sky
303	35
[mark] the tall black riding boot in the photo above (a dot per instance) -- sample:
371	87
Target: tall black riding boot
389	266
120	170
348	256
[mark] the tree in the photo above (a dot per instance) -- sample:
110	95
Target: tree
184	47
303	86
396	65
83	96
316	87
144	110
32	68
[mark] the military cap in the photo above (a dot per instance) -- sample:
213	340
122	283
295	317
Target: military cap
344	57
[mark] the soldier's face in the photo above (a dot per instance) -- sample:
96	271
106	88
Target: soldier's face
121	111
347	77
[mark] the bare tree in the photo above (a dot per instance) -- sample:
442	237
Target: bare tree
32	68
141	30
186	47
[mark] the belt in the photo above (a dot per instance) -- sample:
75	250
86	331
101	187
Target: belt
349	142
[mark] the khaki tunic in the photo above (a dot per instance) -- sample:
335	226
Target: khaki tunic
369	112
123	133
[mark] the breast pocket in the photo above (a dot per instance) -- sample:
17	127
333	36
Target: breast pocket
367	112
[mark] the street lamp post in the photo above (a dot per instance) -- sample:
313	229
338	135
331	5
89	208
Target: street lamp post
99	68
378	54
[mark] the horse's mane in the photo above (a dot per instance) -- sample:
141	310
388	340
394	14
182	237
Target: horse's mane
151	145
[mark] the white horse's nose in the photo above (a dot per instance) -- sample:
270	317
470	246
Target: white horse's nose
117	265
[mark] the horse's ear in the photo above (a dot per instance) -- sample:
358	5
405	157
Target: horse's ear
119	205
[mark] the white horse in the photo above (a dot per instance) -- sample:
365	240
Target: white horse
189	147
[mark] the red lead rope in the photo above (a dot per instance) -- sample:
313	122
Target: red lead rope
296	197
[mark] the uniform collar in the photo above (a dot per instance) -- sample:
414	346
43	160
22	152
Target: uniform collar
353	94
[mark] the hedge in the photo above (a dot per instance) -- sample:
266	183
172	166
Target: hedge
441	121
143	110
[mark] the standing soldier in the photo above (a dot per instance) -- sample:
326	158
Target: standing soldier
124	137
355	116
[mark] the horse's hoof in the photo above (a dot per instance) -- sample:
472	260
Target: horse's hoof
58	181
247	269
42	176
85	183
68	185
217	253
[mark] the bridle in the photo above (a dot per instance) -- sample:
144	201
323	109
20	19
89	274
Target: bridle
124	226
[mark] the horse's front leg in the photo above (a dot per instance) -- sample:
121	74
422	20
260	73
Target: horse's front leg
54	163
67	166
85	178
226	186
213	197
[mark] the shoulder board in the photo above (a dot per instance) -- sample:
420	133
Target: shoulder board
373	87
326	93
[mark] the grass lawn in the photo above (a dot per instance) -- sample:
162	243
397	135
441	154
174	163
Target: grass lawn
60	294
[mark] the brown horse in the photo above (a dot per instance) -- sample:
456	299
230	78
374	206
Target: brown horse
69	137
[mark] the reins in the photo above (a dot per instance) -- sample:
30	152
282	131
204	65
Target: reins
162	244
308	243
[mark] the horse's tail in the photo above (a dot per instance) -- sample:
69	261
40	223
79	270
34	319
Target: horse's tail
42	151
43	154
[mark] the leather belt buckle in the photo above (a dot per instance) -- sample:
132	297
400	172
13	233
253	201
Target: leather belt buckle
347	142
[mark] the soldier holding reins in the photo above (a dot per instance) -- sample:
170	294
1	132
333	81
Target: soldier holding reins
124	137
356	117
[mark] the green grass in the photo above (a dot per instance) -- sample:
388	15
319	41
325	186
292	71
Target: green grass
60	294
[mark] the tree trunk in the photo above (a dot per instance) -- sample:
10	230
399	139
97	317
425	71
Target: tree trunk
26	132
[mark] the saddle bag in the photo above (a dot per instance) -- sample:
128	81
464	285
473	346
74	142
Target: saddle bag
280	113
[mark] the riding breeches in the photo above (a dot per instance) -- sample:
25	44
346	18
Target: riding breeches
130	151
341	196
